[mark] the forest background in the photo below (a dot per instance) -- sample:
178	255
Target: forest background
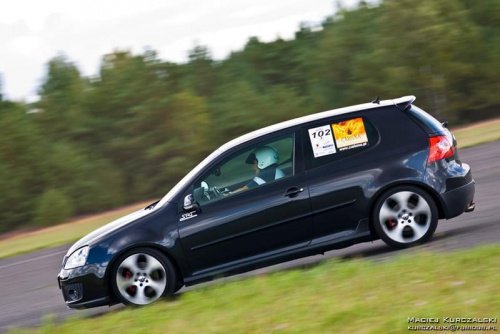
130	132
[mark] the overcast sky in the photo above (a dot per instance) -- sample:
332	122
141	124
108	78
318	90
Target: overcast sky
34	31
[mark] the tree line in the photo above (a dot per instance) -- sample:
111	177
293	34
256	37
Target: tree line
135	128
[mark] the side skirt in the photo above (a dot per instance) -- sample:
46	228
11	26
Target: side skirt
316	246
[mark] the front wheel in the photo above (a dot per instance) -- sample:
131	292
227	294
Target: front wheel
141	276
405	216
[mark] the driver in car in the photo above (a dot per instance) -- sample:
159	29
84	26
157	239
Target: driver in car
265	161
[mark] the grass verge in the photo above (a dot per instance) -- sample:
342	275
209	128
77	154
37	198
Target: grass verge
58	235
478	133
61	234
354	296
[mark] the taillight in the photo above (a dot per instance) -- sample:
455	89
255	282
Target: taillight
440	147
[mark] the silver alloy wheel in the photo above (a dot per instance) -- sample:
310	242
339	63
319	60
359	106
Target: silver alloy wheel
405	217
141	279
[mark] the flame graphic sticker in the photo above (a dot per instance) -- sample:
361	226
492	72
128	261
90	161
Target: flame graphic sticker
350	134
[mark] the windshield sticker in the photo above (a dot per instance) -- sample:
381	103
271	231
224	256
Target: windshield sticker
350	134
322	141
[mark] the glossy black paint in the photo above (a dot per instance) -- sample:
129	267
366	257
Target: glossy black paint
342	192
248	224
263	226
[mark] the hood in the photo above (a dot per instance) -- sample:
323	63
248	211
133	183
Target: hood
108	228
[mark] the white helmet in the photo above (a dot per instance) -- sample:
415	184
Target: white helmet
205	186
265	156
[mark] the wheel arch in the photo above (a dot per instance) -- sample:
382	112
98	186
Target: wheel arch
429	190
163	250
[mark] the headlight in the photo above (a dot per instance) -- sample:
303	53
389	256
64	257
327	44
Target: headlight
77	258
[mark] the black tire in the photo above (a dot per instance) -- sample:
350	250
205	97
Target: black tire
405	216
145	286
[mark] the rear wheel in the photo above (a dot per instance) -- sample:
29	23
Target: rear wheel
405	216
141	276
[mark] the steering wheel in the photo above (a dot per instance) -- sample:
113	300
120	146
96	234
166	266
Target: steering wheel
217	192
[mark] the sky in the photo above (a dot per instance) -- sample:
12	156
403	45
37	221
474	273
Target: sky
33	31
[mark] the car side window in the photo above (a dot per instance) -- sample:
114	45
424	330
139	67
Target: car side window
251	167
334	139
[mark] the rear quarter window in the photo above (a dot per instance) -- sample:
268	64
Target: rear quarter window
428	122
337	138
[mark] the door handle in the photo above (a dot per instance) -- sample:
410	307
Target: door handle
292	192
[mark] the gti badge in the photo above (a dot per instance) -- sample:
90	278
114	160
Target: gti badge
188	215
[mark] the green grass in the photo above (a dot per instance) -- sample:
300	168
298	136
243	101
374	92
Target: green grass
353	296
476	134
60	234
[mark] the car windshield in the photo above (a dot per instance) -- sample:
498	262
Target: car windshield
187	178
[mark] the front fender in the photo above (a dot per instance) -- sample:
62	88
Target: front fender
158	230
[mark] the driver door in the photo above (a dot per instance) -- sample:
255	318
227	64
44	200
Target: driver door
251	224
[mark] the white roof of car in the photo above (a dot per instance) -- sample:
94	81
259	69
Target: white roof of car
312	117
277	127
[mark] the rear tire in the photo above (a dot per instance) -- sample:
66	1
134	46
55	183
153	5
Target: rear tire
405	216
141	276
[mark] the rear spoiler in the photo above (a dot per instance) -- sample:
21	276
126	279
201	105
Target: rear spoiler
404	102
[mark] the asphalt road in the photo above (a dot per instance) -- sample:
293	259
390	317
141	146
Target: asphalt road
29	292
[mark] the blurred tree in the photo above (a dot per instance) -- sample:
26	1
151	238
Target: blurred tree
61	95
23	171
53	207
134	129
234	107
238	108
486	16
187	141
200	72
434	46
90	183
348	42
1	88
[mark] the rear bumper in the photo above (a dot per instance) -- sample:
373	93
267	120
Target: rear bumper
453	183
459	200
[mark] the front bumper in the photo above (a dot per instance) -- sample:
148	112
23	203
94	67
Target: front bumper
83	287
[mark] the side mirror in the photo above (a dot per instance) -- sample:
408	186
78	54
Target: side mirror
190	204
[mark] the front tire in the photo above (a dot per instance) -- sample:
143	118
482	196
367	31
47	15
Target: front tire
141	276
405	216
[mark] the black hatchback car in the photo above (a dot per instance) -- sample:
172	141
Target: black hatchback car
385	169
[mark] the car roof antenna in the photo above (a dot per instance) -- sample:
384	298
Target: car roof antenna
377	100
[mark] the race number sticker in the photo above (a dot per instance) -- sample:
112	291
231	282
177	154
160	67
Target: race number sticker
350	134
322	141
